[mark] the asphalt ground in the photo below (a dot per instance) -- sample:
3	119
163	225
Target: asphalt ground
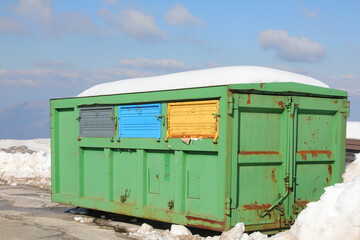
28	213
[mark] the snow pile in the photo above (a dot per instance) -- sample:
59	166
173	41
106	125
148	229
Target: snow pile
352	171
201	78
146	232
25	162
353	130
335	216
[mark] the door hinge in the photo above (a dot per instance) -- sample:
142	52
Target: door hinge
345	108
228	205
230	105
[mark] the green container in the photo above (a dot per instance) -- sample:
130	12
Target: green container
278	146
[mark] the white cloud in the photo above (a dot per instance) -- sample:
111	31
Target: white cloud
48	77
346	77
308	13
163	65
12	25
56	24
55	63
291	48
38	10
180	16
211	65
135	24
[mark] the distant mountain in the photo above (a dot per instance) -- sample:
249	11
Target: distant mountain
25	120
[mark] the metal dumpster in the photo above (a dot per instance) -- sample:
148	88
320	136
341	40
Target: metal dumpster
205	157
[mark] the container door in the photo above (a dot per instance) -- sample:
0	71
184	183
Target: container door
319	142
262	147
196	119
140	121
97	121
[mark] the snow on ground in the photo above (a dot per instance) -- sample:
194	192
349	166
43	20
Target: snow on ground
25	162
201	78
353	130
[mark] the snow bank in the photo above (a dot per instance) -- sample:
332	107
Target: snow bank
201	78
25	162
352	171
335	216
353	130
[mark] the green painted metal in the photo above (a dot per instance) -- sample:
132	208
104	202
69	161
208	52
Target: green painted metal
276	151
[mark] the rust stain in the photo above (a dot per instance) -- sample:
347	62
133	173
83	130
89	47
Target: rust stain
314	153
248	101
254	206
301	203
330	169
291	115
314	190
157	176
204	223
261	85
281	104
258	153
327	181
273	178
336	102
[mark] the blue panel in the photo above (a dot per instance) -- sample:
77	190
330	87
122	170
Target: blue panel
140	121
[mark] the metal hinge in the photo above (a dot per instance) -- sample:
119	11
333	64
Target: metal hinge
228	205
345	106
162	117
230	105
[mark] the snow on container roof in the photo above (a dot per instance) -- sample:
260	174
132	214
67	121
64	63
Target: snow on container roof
200	78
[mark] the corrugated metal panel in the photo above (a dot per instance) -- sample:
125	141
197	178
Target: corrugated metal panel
198	119
140	121
97	122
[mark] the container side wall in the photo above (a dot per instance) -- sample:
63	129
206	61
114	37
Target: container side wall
139	175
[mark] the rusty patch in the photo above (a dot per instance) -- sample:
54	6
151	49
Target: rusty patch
314	153
281	104
254	206
336	102
258	153
327	181
291	115
261	85
203	223
301	203
157	176
330	169
273	178
248	101
314	190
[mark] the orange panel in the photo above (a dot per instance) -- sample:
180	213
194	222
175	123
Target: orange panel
198	119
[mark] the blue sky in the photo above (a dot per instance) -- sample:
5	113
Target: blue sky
53	49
